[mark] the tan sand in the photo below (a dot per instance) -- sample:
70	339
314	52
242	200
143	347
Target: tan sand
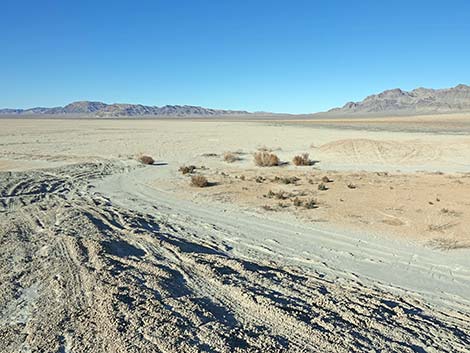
433	209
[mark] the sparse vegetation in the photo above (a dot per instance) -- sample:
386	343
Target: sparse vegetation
280	195
325	179
297	202
266	159
199	181
187	169
352	186
231	157
144	159
260	179
286	180
322	187
302	160
308	204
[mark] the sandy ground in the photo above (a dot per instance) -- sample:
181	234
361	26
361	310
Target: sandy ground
430	208
102	254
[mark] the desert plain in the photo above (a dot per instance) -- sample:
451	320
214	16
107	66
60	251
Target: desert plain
367	248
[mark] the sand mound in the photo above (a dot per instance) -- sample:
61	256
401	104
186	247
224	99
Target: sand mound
364	151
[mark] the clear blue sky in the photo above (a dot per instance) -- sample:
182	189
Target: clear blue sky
283	56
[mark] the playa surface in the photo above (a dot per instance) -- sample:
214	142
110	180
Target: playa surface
100	252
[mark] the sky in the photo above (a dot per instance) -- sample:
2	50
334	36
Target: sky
258	55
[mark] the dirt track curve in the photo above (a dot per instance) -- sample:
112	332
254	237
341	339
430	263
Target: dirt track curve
78	273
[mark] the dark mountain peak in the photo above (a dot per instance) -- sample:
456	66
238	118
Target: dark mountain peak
349	105
83	107
396	92
462	87
420	100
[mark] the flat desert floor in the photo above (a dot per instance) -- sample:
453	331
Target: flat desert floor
366	249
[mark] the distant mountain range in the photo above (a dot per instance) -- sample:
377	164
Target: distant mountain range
390	102
99	109
417	101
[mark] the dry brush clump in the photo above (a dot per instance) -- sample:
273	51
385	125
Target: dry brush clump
280	195
199	181
187	169
266	159
302	160
210	154
286	180
260	179
308	204
231	157
144	159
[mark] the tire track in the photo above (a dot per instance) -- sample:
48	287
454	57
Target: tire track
107	278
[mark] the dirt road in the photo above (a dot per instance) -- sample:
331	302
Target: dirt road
93	260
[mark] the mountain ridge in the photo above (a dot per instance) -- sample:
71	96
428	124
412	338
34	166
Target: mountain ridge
101	109
419	100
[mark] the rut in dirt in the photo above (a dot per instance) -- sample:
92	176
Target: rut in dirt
80	274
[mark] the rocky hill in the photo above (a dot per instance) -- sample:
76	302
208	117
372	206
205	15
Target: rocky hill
418	101
87	108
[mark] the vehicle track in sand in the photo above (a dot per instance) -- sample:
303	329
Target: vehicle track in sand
363	151
80	272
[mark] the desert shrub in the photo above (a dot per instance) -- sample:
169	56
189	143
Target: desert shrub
310	204
325	179
231	157
302	159
187	169
199	181
280	195
352	186
286	180
266	159
144	159
322	187
260	179
270	194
